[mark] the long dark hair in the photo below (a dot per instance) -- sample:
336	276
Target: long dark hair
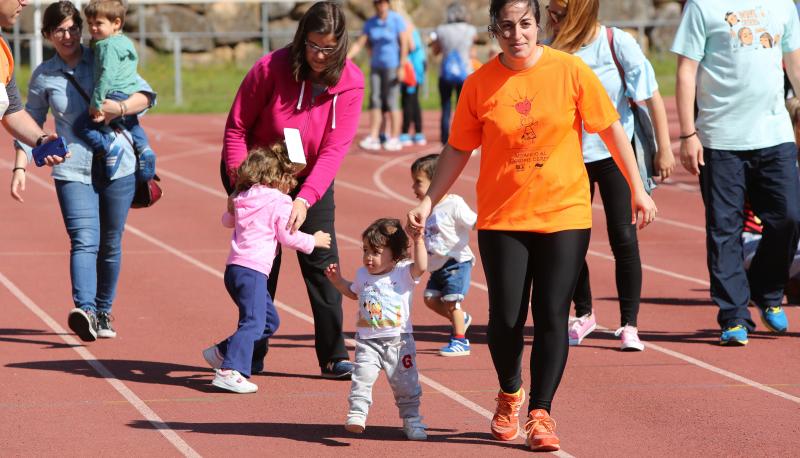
57	13
323	18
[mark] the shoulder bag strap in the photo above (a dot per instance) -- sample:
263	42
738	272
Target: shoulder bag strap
610	37
85	96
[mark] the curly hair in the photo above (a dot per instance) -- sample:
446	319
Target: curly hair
269	167
387	233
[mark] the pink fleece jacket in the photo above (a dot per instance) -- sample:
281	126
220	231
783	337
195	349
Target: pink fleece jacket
259	224
269	99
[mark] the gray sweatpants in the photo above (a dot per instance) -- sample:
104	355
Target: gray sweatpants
398	357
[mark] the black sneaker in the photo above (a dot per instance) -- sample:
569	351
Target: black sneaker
104	329
83	323
340	370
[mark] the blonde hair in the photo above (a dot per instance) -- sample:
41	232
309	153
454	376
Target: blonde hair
578	25
269	167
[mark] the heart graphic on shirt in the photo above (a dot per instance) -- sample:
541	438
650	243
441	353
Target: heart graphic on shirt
523	107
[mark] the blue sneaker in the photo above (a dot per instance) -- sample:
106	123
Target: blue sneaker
734	335
419	139
405	140
456	347
774	318
339	370
146	165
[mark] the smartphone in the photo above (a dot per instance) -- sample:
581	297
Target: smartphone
57	147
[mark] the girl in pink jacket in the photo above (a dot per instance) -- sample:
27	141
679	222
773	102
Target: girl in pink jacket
258	212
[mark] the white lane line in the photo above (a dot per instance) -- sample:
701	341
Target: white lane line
694	361
142	407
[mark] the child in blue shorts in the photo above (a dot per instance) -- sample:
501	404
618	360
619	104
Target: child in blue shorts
450	259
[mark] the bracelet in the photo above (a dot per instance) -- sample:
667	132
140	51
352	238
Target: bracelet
41	139
17	168
305	202
122	108
684	137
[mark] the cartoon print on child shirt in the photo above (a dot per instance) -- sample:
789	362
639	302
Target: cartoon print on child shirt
378	309
747	24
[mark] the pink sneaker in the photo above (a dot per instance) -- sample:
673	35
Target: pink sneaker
580	327
630	338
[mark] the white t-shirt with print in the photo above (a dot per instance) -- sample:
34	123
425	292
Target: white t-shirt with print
447	232
384	301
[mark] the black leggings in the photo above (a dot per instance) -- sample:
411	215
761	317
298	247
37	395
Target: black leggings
412	114
540	269
616	197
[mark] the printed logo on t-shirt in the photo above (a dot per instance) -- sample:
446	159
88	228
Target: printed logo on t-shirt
523	105
377	310
753	29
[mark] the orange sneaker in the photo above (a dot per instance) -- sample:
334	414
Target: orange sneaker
505	423
540	430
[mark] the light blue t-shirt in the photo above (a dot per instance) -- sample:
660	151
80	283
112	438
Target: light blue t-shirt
384	39
640	79
740	46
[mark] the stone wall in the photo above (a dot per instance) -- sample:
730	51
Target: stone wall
223	18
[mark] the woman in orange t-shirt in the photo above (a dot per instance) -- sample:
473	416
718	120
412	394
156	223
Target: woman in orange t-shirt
525	108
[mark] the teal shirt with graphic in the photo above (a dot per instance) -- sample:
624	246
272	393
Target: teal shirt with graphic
740	46
115	61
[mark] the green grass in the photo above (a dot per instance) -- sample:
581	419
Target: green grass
211	88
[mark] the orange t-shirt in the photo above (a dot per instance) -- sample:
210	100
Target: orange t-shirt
532	176
6	62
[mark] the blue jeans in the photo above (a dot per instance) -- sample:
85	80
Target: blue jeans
451	282
768	177
94	215
92	133
258	318
446	95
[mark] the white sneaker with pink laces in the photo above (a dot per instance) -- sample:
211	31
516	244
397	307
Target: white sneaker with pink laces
580	327
630	338
232	380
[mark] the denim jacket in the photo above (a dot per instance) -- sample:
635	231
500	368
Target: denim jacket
50	90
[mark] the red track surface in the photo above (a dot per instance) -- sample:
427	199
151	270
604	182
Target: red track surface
148	391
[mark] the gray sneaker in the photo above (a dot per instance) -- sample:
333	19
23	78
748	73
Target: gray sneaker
104	329
83	323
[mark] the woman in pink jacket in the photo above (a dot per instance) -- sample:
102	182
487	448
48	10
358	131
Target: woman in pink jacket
311	86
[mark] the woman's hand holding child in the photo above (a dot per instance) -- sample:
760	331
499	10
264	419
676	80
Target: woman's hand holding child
322	240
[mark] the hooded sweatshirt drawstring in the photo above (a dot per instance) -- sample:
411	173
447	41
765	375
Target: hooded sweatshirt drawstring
333	108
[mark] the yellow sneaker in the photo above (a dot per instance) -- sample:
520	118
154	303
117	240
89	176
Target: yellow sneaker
505	423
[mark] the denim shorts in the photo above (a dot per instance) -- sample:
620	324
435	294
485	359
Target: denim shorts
451	282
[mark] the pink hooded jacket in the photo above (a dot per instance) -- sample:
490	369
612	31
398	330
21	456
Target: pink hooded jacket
269	99
259	225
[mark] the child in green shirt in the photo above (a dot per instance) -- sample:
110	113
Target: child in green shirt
115	78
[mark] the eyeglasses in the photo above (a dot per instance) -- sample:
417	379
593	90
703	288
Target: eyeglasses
61	32
315	48
555	16
507	28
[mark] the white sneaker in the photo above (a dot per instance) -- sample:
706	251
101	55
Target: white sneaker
393	144
213	357
415	429
370	144
232	380
355	424
630	338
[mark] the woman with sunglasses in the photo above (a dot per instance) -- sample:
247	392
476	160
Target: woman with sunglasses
311	86
525	108
574	28
94	206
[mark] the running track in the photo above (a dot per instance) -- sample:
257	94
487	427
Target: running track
147	392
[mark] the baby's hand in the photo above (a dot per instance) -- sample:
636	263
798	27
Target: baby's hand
322	240
332	272
97	116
